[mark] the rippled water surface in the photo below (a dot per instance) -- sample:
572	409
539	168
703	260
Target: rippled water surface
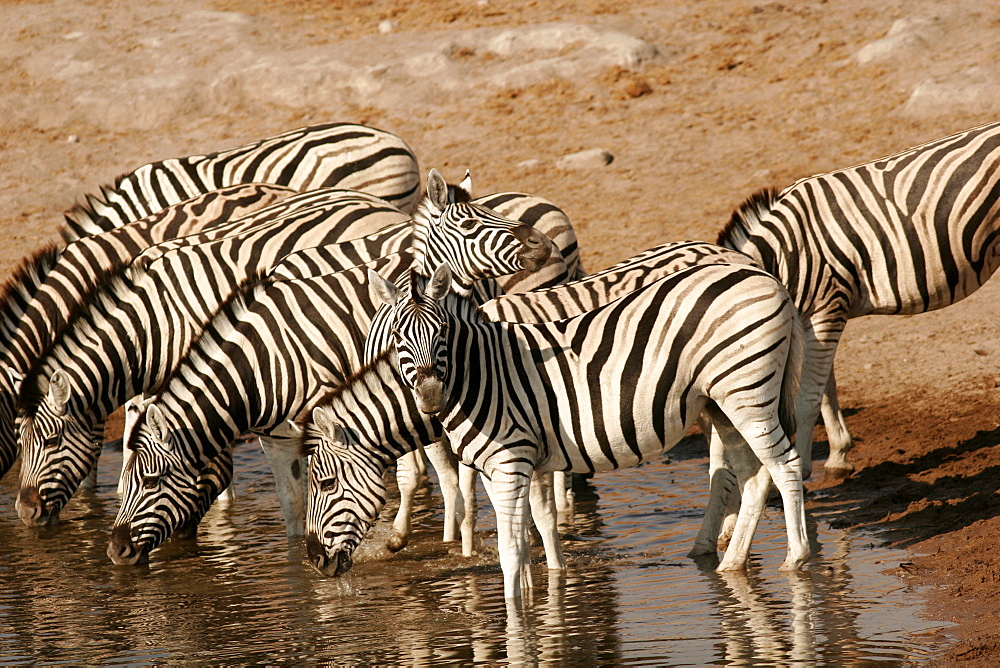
242	593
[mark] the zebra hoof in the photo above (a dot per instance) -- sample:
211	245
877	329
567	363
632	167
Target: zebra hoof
839	472
397	542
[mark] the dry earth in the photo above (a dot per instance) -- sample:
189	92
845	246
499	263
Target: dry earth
700	103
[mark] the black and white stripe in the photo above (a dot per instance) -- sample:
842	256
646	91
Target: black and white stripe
136	325
74	272
267	356
341	155
610	388
908	233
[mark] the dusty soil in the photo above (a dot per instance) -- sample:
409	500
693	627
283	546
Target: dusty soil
739	95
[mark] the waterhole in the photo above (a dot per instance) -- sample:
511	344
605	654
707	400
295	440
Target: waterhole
242	593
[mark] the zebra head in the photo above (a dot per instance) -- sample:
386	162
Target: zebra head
162	490
57	449
346	493
476	241
419	327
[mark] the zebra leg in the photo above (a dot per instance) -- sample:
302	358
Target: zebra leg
408	481
467	495
739	429
836	431
508	491
445	464
788	479
542	498
90	482
822	334
287	468
564	498
722	488
754	483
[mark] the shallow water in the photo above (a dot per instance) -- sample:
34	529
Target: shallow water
242	593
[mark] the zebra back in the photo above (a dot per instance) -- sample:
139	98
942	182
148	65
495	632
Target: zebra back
83	262
907	233
326	155
603	287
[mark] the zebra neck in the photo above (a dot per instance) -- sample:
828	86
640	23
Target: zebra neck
381	413
479	353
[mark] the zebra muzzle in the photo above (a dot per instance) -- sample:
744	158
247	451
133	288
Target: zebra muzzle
123	551
334	563
536	247
32	510
429	393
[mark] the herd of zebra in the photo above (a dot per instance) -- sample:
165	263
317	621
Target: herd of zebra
306	290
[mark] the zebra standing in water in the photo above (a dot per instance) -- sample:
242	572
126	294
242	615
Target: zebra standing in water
342	155
134	326
407	429
76	270
265	357
908	233
606	390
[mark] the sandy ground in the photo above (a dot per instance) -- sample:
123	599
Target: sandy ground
700	104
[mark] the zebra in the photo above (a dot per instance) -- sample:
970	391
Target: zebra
540	305
65	399
609	388
355	433
15	295
343	155
75	270
136	323
266	356
908	233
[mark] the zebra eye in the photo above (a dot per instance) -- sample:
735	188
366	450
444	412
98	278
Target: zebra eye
150	481
52	441
328	484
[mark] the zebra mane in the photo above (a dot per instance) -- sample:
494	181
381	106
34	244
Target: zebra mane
82	217
24	282
32	392
746	217
239	300
376	372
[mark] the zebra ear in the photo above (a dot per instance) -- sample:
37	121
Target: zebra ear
58	394
440	282
332	431
381	290
157	424
437	189
466	184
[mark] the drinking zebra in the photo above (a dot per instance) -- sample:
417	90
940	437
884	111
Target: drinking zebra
908	233
542	305
147	336
132	328
267	356
599	391
341	155
29	324
325	155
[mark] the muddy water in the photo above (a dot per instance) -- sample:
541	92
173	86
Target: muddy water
241	593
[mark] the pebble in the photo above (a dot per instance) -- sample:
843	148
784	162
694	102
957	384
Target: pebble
591	158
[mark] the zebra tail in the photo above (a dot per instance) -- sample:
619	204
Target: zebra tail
793	373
